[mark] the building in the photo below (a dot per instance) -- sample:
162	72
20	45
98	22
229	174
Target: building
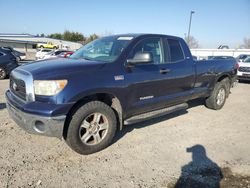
27	43
204	53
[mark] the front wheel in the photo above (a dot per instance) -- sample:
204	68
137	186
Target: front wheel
92	128
218	97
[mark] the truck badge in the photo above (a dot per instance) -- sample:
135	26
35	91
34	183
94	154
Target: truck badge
119	77
14	86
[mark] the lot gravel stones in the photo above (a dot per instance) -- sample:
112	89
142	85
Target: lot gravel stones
160	152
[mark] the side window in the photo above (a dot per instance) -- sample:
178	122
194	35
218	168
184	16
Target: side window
152	45
175	50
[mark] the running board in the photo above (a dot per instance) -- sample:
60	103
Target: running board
156	113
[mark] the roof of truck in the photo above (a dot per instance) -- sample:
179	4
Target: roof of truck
142	34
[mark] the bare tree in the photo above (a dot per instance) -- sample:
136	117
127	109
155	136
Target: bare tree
192	42
246	42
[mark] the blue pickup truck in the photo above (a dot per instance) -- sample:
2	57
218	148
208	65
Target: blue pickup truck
110	82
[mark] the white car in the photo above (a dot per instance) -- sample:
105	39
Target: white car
54	54
41	53
244	70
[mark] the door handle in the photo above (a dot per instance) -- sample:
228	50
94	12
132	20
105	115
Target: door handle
164	71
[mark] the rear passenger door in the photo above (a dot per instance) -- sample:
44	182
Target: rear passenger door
180	79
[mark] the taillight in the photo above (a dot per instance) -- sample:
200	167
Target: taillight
237	66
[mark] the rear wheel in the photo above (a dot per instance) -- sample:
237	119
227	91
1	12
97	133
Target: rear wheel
218	97
92	128
226	82
3	73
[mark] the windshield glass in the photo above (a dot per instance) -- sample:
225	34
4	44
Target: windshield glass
106	49
247	60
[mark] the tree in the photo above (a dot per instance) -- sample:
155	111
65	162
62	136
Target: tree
246	43
192	42
91	38
56	36
73	36
68	35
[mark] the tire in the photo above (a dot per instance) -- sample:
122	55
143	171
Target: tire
213	101
41	46
54	47
3	73
226	82
82	125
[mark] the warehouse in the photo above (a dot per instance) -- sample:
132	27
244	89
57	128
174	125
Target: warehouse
27	43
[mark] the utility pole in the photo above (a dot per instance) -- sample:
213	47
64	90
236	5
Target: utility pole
189	28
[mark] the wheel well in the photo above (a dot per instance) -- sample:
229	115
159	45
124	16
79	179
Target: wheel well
223	77
108	99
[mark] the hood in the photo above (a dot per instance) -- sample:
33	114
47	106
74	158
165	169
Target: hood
53	68
242	64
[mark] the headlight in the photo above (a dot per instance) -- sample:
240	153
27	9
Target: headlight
49	87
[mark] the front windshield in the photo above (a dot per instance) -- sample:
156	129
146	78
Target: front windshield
247	60
106	49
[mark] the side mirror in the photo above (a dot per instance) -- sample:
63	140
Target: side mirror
141	58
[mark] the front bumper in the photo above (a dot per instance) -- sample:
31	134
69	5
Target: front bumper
37	124
243	76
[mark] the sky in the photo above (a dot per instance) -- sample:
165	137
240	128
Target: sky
214	22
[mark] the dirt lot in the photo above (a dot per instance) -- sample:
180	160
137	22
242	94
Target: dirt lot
194	148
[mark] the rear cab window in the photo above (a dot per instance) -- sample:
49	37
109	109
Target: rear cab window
174	50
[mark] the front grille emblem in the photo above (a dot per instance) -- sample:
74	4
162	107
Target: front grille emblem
14	86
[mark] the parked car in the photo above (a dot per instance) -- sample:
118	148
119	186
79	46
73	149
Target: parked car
242	57
19	55
53	54
67	54
244	70
221	57
110	82
40	53
47	45
8	62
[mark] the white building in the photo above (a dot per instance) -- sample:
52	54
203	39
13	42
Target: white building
204	53
27	43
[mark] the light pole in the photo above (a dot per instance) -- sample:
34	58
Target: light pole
190	21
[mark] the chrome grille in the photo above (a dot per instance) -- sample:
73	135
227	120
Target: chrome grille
244	69
18	87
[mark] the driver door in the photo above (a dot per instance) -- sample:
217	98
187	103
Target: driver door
147	88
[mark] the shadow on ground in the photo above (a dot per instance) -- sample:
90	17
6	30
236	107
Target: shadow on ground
202	172
2	106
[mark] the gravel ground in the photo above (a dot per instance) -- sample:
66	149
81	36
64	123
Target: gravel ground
193	146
